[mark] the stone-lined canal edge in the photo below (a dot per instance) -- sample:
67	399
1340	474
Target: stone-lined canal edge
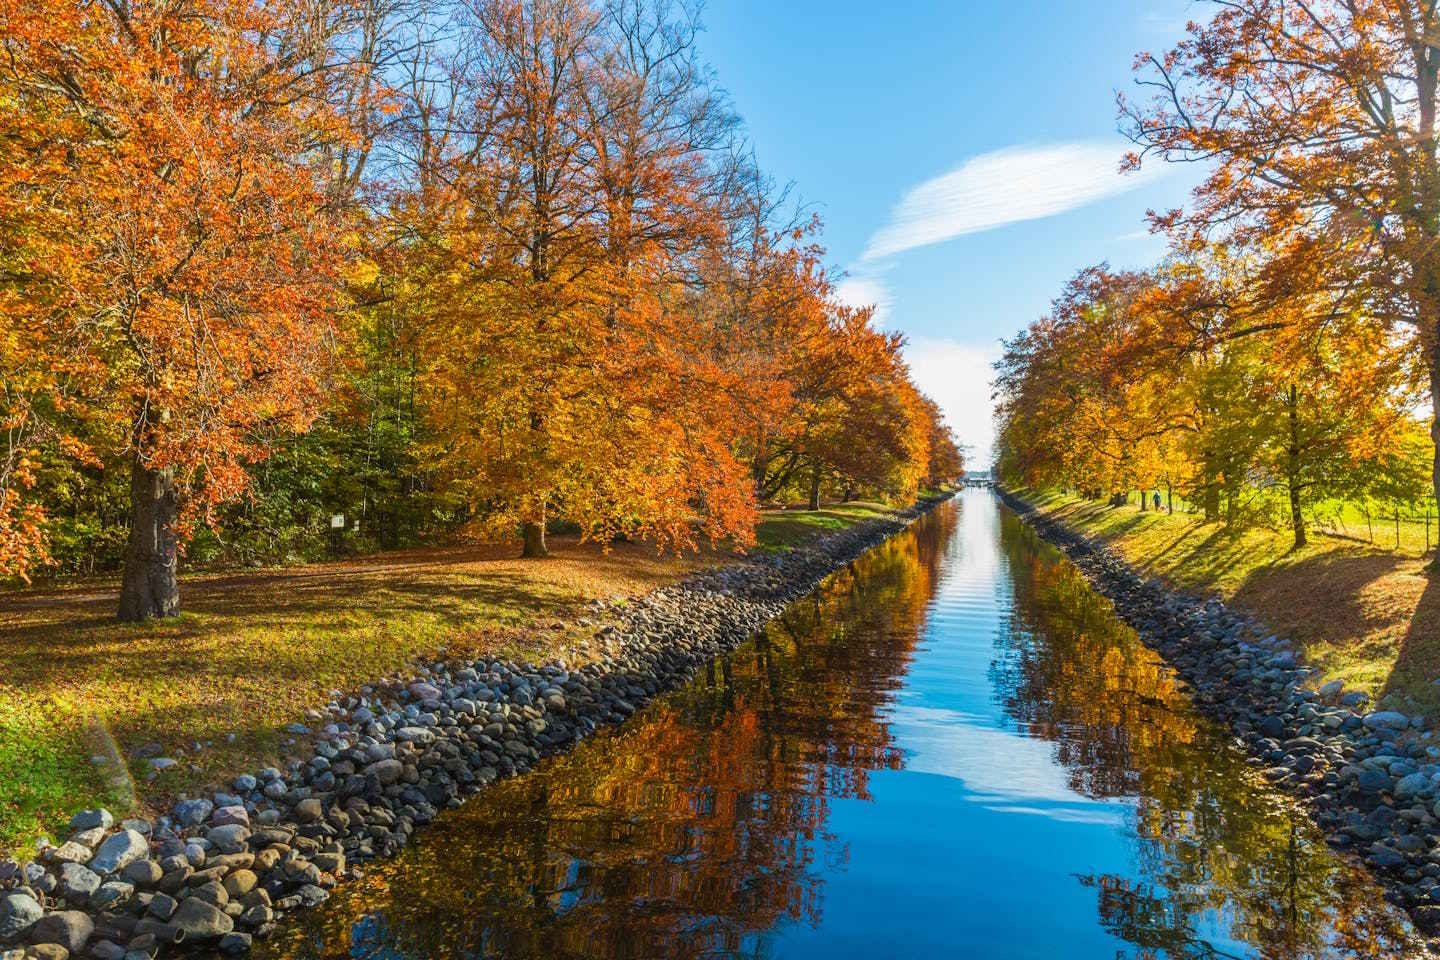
1371	780
221	871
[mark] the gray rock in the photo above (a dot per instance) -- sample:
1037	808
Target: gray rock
142	873
424	691
112	893
78	882
244	783
192	813
69	928
1412	785
201	920
121	850
235	944
162	907
230	838
386	771
107	950
1386	720
311	895
1385	858
228	815
18	913
90	819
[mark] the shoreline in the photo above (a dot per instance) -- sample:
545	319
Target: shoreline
1369	779
222	870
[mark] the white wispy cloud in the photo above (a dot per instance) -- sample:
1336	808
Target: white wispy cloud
1005	186
866	291
957	376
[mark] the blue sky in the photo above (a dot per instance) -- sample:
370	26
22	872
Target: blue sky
909	123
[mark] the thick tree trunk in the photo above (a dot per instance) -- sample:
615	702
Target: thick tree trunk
1292	471
815	487
148	587
534	534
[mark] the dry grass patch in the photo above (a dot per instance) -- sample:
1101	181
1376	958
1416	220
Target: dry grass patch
216	686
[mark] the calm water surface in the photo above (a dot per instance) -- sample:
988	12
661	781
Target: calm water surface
952	750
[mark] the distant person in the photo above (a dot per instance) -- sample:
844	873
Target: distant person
1156	500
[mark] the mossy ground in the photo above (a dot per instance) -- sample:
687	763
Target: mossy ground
1359	612
216	686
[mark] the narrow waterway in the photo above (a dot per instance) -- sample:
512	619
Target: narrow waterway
952	749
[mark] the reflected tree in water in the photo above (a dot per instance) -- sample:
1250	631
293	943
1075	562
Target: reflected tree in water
694	830
1223	859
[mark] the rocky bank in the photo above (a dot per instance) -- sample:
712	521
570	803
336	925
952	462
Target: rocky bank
1371	779
219	871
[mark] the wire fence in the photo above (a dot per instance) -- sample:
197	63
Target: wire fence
1411	529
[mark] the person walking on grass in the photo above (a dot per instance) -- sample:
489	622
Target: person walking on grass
1156	500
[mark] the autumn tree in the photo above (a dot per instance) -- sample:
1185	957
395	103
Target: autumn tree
1317	124
564	373
170	252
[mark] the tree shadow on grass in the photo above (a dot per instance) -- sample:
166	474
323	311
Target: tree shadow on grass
263	639
1417	662
1370	617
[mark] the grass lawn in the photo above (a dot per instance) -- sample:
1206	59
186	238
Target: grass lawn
216	686
1358	612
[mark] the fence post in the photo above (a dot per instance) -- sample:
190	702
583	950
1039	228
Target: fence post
1397	528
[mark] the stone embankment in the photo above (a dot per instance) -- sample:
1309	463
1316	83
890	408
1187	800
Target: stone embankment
220	871
1370	778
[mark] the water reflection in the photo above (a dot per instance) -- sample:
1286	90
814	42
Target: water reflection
693	832
952	747
1218	857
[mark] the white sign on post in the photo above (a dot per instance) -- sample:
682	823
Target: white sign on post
337	522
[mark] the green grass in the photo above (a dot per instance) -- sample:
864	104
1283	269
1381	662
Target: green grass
1359	612
782	530
216	686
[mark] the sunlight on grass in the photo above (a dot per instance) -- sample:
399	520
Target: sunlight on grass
781	530
1358	612
215	687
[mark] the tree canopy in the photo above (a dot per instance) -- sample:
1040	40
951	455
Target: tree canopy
472	267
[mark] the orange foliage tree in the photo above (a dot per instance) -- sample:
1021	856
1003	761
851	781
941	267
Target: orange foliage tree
563	370
169	263
1317	122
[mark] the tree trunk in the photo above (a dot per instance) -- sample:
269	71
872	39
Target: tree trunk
815	487
147	586
1211	492
1169	497
1292	472
534	534
1435	424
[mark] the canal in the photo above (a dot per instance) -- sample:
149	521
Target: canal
951	749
